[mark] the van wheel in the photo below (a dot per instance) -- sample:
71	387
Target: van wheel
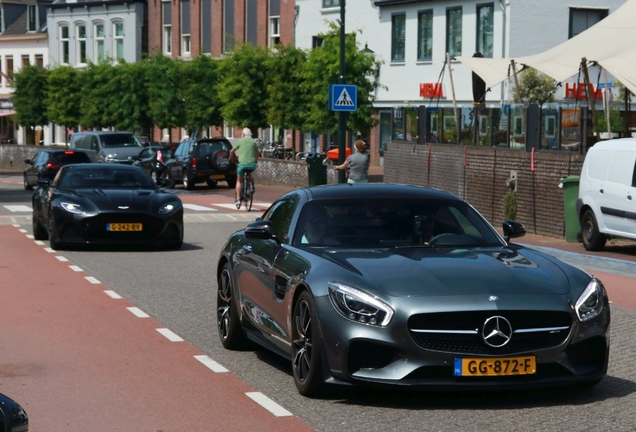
593	240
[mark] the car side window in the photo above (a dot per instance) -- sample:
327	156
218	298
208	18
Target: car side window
145	154
281	215
190	149
94	143
38	157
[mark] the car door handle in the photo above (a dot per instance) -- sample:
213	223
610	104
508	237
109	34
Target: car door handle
601	191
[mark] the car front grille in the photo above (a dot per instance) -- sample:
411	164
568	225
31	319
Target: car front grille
461	332
96	227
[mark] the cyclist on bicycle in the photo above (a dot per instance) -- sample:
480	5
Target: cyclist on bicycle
247	152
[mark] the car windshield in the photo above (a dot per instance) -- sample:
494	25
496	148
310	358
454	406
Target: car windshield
69	157
105	178
209	147
120	140
393	222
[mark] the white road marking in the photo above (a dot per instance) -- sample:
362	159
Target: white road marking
198	207
255	206
16	225
268	404
170	335
75	268
112	294
138	312
18	208
30	236
61	258
92	280
22	230
39	242
49	250
210	364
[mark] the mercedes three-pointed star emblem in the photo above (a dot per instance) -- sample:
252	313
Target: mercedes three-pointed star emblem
497	331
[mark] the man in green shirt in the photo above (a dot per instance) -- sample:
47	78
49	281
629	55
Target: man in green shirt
247	152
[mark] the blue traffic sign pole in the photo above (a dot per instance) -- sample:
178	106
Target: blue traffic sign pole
342	116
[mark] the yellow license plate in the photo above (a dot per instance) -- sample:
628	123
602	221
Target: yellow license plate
217	176
496	366
124	227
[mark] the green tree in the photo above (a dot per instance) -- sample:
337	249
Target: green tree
242	89
64	97
129	105
323	68
287	101
165	90
30	88
201	92
96	100
535	87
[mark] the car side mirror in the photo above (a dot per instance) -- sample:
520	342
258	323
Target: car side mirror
167	183
28	161
513	229
263	229
44	182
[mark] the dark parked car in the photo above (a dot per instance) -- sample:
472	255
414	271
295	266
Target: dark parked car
203	160
153	159
47	163
106	204
13	418
382	284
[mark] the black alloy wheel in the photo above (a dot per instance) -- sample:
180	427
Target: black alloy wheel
27	186
306	347
188	183
54	238
593	240
227	319
39	232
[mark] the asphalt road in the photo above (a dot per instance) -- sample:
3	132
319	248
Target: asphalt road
177	288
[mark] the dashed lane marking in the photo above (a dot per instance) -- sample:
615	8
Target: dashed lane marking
30	236
170	335
196	207
22	230
112	294
49	250
75	268
210	364
138	312
268	404
92	280
61	258
39	242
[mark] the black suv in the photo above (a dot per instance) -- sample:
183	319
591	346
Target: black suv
47	163
202	160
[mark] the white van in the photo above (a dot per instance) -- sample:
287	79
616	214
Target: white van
607	193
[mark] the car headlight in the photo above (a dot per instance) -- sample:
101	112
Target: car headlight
73	208
169	207
590	303
359	306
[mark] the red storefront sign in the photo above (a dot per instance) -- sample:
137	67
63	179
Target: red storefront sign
431	90
578	91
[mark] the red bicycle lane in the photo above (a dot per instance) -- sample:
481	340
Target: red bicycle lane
77	359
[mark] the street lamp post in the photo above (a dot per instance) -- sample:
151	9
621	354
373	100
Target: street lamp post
342	118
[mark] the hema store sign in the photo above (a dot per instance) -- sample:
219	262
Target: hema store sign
432	90
578	90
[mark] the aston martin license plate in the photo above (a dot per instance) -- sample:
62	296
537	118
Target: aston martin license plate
217	176
495	366
124	227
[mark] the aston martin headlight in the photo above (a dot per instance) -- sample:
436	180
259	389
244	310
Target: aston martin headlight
73	208
169	207
359	306
590	303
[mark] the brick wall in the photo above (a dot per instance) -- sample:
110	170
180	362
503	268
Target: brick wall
287	173
479	175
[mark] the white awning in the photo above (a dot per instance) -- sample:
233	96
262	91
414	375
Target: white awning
610	43
6	113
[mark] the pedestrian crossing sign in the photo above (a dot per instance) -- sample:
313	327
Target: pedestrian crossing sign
343	97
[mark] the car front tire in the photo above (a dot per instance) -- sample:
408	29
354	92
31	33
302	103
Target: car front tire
306	346
593	239
54	238
228	322
39	232
188	183
27	186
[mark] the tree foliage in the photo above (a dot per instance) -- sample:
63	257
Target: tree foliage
129	107
201	92
96	106
165	89
30	87
535	87
64	96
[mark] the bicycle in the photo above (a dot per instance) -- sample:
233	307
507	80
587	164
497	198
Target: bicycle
247	191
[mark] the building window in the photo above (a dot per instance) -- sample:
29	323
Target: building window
485	24
81	44
118	39
25	61
39	60
9	67
228	131
64	41
1	20
330	3
206	30
274	31
32	18
100	55
454	31
425	35
185	28
166	9
583	19
316	42
398	37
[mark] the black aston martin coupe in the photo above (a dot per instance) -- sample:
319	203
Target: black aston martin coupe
105	204
383	284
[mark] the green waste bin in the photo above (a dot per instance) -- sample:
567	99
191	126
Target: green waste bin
317	172
570	185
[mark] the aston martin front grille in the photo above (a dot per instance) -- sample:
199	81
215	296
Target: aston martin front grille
460	332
